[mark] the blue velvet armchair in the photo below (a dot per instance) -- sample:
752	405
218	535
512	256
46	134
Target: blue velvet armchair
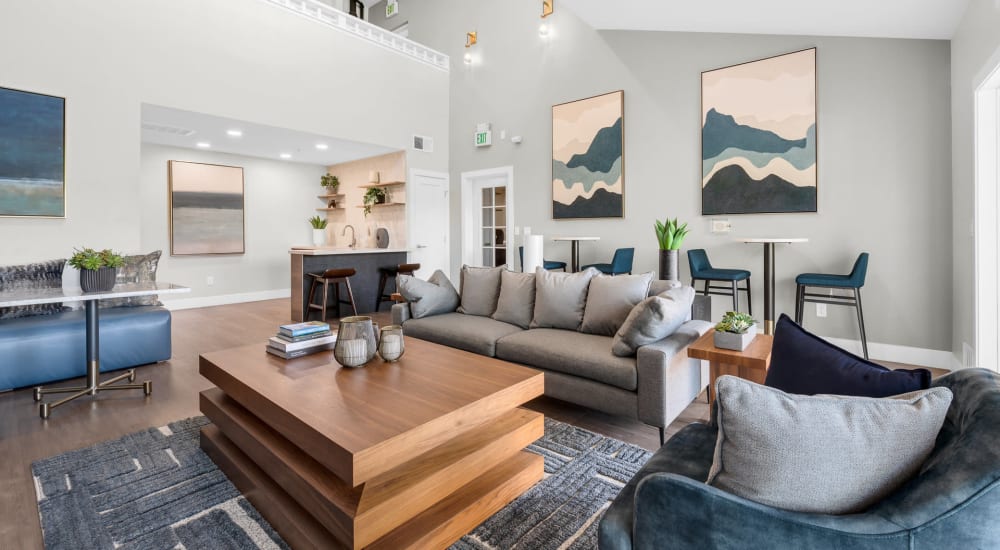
954	502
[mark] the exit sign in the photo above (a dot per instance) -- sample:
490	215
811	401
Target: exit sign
484	138
391	8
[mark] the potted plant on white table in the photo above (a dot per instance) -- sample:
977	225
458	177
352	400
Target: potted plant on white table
98	270
735	331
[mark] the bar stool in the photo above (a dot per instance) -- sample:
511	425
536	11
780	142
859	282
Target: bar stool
384	273
852	281
331	277
702	270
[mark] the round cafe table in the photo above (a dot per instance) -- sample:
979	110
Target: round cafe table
769	276
575	249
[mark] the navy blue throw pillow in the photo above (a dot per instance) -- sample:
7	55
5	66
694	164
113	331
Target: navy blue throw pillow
804	363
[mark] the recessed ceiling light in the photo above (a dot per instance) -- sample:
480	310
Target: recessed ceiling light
286	156
234	133
203	145
322	146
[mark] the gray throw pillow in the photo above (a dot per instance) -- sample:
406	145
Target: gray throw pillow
659	287
560	298
516	304
821	454
137	269
434	296
480	289
610	299
28	277
652	320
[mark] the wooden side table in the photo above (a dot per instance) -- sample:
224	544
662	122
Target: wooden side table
750	364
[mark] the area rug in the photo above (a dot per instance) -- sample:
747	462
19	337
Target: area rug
156	489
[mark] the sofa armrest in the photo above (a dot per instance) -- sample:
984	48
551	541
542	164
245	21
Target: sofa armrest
400	313
667	379
673	511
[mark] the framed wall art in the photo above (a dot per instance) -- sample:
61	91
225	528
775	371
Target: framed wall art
206	208
758	137
32	154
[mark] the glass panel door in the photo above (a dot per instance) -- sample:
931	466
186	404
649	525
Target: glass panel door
493	225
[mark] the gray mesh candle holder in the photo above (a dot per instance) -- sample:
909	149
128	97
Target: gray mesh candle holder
356	344
390	343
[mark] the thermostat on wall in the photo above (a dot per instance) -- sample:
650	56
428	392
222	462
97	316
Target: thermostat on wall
721	226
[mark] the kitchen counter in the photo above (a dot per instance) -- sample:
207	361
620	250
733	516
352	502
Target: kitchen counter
337	250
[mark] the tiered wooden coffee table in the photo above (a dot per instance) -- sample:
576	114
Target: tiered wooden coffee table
411	454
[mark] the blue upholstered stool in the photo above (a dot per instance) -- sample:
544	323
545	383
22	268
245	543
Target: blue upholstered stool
852	281
621	263
546	264
702	270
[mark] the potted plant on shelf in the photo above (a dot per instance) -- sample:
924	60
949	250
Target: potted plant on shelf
670	235
98	270
319	230
373	196
331	183
735	331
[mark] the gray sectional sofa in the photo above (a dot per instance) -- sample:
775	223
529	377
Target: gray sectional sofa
654	385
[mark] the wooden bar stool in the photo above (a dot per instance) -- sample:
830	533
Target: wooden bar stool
331	277
384	273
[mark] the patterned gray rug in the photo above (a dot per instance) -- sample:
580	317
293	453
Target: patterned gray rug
156	490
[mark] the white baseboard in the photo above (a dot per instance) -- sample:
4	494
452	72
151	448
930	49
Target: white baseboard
921	357
223	299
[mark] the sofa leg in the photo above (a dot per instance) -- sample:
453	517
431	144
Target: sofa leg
662	439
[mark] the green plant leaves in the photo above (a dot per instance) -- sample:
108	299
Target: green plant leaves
317	222
670	234
92	260
735	322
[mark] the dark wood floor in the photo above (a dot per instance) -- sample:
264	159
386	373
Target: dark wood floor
24	437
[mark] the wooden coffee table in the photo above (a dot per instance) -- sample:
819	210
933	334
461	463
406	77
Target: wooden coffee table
412	454
750	364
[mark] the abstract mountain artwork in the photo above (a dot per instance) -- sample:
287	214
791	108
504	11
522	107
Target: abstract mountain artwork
588	168
758	138
206	208
32	154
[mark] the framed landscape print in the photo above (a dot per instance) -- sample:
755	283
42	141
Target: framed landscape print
206	208
588	164
758	137
32	154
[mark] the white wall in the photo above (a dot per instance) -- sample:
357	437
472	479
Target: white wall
975	50
884	151
241	59
279	198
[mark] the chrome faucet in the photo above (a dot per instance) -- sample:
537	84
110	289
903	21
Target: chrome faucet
354	240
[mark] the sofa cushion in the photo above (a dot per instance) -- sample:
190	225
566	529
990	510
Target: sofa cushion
28	277
560	298
804	363
516	304
140	268
652	320
659	287
585	355
610	299
479	288
458	330
822	454
434	296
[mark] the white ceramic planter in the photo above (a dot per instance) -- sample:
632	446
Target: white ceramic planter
319	237
733	341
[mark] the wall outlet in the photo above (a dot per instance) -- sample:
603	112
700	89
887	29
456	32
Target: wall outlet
210	280
721	226
820	310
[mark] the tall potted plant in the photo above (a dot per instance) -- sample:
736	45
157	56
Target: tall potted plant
670	235
98	270
319	230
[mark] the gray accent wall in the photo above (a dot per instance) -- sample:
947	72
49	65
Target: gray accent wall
884	125
975	50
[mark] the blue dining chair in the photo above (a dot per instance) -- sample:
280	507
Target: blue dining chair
702	270
852	281
620	263
548	265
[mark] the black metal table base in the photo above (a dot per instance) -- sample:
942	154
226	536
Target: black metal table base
94	386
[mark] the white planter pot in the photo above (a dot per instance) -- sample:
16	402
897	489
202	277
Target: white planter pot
319	237
735	342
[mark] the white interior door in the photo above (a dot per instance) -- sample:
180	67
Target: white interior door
429	219
487	216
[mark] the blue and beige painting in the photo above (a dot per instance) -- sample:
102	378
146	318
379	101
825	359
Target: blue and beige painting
587	158
31	154
759	136
206	209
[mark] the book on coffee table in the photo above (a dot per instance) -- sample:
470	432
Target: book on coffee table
283	345
299	352
303	329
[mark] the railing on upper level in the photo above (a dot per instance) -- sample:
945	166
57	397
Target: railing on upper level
337	19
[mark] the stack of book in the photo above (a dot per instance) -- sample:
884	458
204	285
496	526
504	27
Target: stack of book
301	339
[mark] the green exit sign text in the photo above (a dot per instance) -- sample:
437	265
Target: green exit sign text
484	139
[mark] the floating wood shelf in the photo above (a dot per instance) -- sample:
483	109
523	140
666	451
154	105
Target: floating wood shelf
329	209
381	184
335	195
384	204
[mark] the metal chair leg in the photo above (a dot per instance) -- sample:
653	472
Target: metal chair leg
706	287
662	438
749	299
799	291
736	297
861	321
381	289
350	295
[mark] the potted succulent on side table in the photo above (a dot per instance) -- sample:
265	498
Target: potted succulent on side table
670	236
373	196
331	183
319	230
98	270
735	331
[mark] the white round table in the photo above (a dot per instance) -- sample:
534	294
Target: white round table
769	275
575	249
